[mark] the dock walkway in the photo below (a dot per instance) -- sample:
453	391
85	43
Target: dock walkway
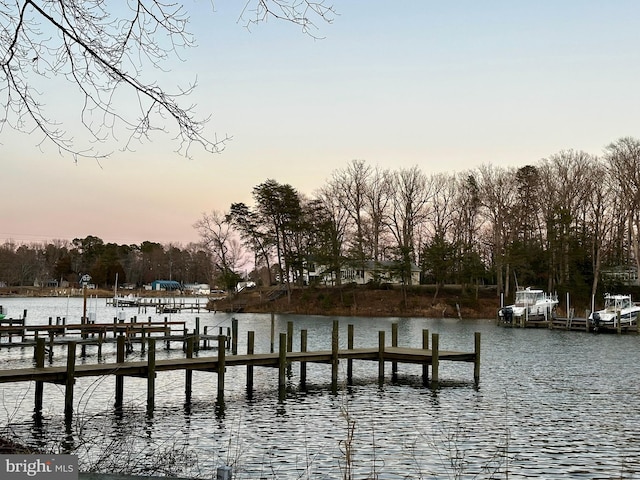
282	360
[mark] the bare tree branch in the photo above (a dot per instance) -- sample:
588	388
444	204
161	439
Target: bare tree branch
106	51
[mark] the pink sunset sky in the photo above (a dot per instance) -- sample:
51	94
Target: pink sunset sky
446	86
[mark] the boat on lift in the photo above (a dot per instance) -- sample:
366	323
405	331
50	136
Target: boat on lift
531	305
614	306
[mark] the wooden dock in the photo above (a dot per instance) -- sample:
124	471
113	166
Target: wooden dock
576	324
429	355
160	305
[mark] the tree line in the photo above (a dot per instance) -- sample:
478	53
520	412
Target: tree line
557	224
63	261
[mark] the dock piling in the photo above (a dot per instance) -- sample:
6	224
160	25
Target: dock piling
394	343
151	375
70	380
350	336
435	359
303	365
425	366
334	357
250	350
221	367
40	352
188	373
476	362
120	353
381	356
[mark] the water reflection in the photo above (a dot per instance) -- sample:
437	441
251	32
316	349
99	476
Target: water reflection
550	404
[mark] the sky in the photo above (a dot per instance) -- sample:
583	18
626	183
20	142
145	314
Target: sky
446	86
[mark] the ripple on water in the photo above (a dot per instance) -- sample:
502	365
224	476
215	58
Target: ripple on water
550	405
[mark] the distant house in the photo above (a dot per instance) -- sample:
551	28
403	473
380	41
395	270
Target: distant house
198	288
382	271
621	275
168	285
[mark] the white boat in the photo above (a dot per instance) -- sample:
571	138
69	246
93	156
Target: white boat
129	300
530	304
615	305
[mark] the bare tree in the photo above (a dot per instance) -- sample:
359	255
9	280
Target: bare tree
106	51
351	186
223	244
496	190
565	178
333	230
623	159
412	192
378	199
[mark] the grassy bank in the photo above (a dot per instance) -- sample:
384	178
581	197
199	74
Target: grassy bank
352	300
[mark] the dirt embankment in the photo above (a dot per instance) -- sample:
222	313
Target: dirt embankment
419	301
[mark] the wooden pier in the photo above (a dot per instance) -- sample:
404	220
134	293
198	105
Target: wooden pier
160	305
577	324
428	355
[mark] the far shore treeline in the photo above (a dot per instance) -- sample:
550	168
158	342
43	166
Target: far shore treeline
568	223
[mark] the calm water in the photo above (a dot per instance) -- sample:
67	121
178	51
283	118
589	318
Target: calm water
550	404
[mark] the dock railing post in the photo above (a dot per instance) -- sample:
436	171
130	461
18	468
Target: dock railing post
476	361
221	367
381	356
250	351
151	375
435	359
619	321
425	366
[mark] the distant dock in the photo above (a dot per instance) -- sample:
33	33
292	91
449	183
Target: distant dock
160	305
577	324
